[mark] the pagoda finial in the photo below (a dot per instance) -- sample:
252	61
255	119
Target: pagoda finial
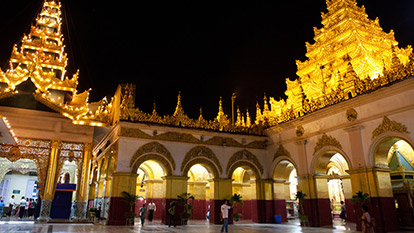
248	119
179	111
239	118
154	108
258	113
266	106
221	117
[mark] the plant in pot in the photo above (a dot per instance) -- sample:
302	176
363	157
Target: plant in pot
357	201
130	199
183	200
235	200
300	196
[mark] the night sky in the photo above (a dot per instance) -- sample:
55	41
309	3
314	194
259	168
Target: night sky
205	49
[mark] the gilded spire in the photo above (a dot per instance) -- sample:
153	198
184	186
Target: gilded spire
179	111
258	113
248	119
221	117
239	118
154	109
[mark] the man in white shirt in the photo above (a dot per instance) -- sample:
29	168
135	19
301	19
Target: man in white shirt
225	215
12	206
151	209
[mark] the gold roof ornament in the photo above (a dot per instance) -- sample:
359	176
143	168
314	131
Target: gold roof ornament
42	59
351	55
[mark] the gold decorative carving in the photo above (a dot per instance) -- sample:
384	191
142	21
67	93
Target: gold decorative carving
244	156
389	125
326	140
201	153
36	150
351	114
188	138
153	151
281	151
300	131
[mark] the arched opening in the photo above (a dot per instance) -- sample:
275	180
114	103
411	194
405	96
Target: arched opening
400	160
284	190
333	186
199	186
19	188
244	184
151	188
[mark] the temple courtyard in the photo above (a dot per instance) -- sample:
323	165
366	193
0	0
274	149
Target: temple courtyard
14	227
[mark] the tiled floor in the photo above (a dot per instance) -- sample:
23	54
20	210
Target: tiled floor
21	227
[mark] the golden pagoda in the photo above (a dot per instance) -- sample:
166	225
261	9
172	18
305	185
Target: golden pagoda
349	51
42	59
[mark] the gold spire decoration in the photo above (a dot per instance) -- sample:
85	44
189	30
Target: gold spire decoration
179	111
248	119
42	59
239	121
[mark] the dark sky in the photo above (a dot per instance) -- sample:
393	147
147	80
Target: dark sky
205	49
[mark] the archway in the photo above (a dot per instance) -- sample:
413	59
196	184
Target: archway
150	187
284	189
244	184
19	179
400	159
332	185
198	185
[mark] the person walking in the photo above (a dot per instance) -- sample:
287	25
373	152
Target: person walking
142	214
225	215
1	208
366	220
151	209
22	207
342	215
171	213
12	206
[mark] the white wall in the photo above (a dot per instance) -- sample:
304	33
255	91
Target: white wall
17	182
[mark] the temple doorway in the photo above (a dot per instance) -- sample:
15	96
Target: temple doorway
198	186
19	179
244	184
150	187
285	184
400	160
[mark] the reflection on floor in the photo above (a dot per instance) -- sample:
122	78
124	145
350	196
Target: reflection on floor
12	227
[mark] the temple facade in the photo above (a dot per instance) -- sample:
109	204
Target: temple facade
345	127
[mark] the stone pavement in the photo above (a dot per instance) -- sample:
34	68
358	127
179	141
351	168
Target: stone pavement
27	227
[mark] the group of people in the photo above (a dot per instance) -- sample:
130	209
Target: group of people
25	208
143	212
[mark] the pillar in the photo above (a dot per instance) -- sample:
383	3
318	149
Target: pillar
174	186
377	183
107	196
81	202
91	195
347	187
121	181
316	205
100	187
262	207
50	182
280	195
220	190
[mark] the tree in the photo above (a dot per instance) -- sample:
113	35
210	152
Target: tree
183	200
130	199
234	200
300	196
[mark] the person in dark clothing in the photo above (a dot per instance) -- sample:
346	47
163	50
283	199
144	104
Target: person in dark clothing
171	213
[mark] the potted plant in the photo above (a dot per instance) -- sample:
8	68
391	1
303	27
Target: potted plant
183	200
130	199
300	196
234	200
357	201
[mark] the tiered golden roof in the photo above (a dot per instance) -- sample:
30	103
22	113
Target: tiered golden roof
42	59
351	54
